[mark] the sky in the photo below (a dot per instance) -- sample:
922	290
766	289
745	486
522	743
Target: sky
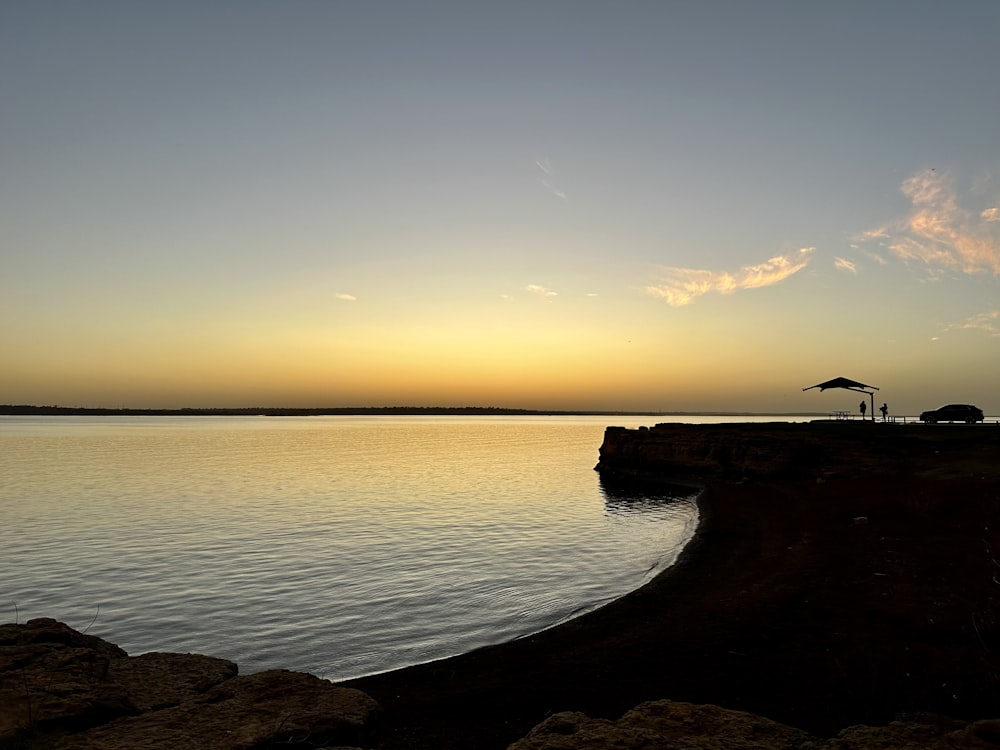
671	205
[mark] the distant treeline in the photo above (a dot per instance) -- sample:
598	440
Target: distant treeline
252	411
256	411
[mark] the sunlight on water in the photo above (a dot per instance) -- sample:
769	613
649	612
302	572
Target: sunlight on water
335	545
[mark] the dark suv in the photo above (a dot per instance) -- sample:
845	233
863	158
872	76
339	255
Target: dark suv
953	413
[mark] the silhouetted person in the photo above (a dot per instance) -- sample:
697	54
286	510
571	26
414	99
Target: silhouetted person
863	407
884	408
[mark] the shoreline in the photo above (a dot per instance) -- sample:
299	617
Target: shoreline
816	602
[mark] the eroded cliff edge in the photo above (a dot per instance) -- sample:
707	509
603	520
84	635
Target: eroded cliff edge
800	450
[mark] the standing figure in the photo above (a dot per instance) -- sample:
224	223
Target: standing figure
863	407
884	408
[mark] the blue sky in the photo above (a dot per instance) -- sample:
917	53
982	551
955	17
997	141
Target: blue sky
669	205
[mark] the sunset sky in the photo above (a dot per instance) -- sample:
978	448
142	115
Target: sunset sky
669	205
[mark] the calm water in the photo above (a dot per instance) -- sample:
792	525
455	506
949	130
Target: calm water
339	546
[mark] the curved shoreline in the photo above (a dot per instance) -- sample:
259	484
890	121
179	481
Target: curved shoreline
819	604
584	609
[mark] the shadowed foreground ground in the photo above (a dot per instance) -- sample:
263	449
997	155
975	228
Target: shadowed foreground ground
819	601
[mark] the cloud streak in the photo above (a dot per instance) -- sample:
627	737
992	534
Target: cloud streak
940	232
845	265
547	178
346	297
988	322
541	291
681	286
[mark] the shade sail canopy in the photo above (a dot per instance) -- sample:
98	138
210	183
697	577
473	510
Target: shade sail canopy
851	385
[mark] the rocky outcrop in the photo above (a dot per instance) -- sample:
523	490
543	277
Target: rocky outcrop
75	691
668	725
663	725
51	676
806	450
252	711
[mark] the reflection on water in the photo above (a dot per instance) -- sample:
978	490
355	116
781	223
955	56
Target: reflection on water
637	505
631	496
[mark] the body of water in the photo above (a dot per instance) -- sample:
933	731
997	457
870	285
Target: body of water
339	546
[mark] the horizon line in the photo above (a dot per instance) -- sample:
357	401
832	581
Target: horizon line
49	410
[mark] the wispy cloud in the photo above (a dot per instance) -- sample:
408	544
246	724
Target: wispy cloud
845	265
988	322
547	177
347	297
939	231
541	291
681	286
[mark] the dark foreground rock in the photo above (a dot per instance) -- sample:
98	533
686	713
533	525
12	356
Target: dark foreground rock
51	696
667	725
62	689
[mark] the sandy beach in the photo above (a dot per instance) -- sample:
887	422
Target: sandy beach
854	597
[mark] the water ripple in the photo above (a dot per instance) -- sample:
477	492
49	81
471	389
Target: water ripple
337	546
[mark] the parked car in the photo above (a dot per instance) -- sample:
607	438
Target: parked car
953	413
